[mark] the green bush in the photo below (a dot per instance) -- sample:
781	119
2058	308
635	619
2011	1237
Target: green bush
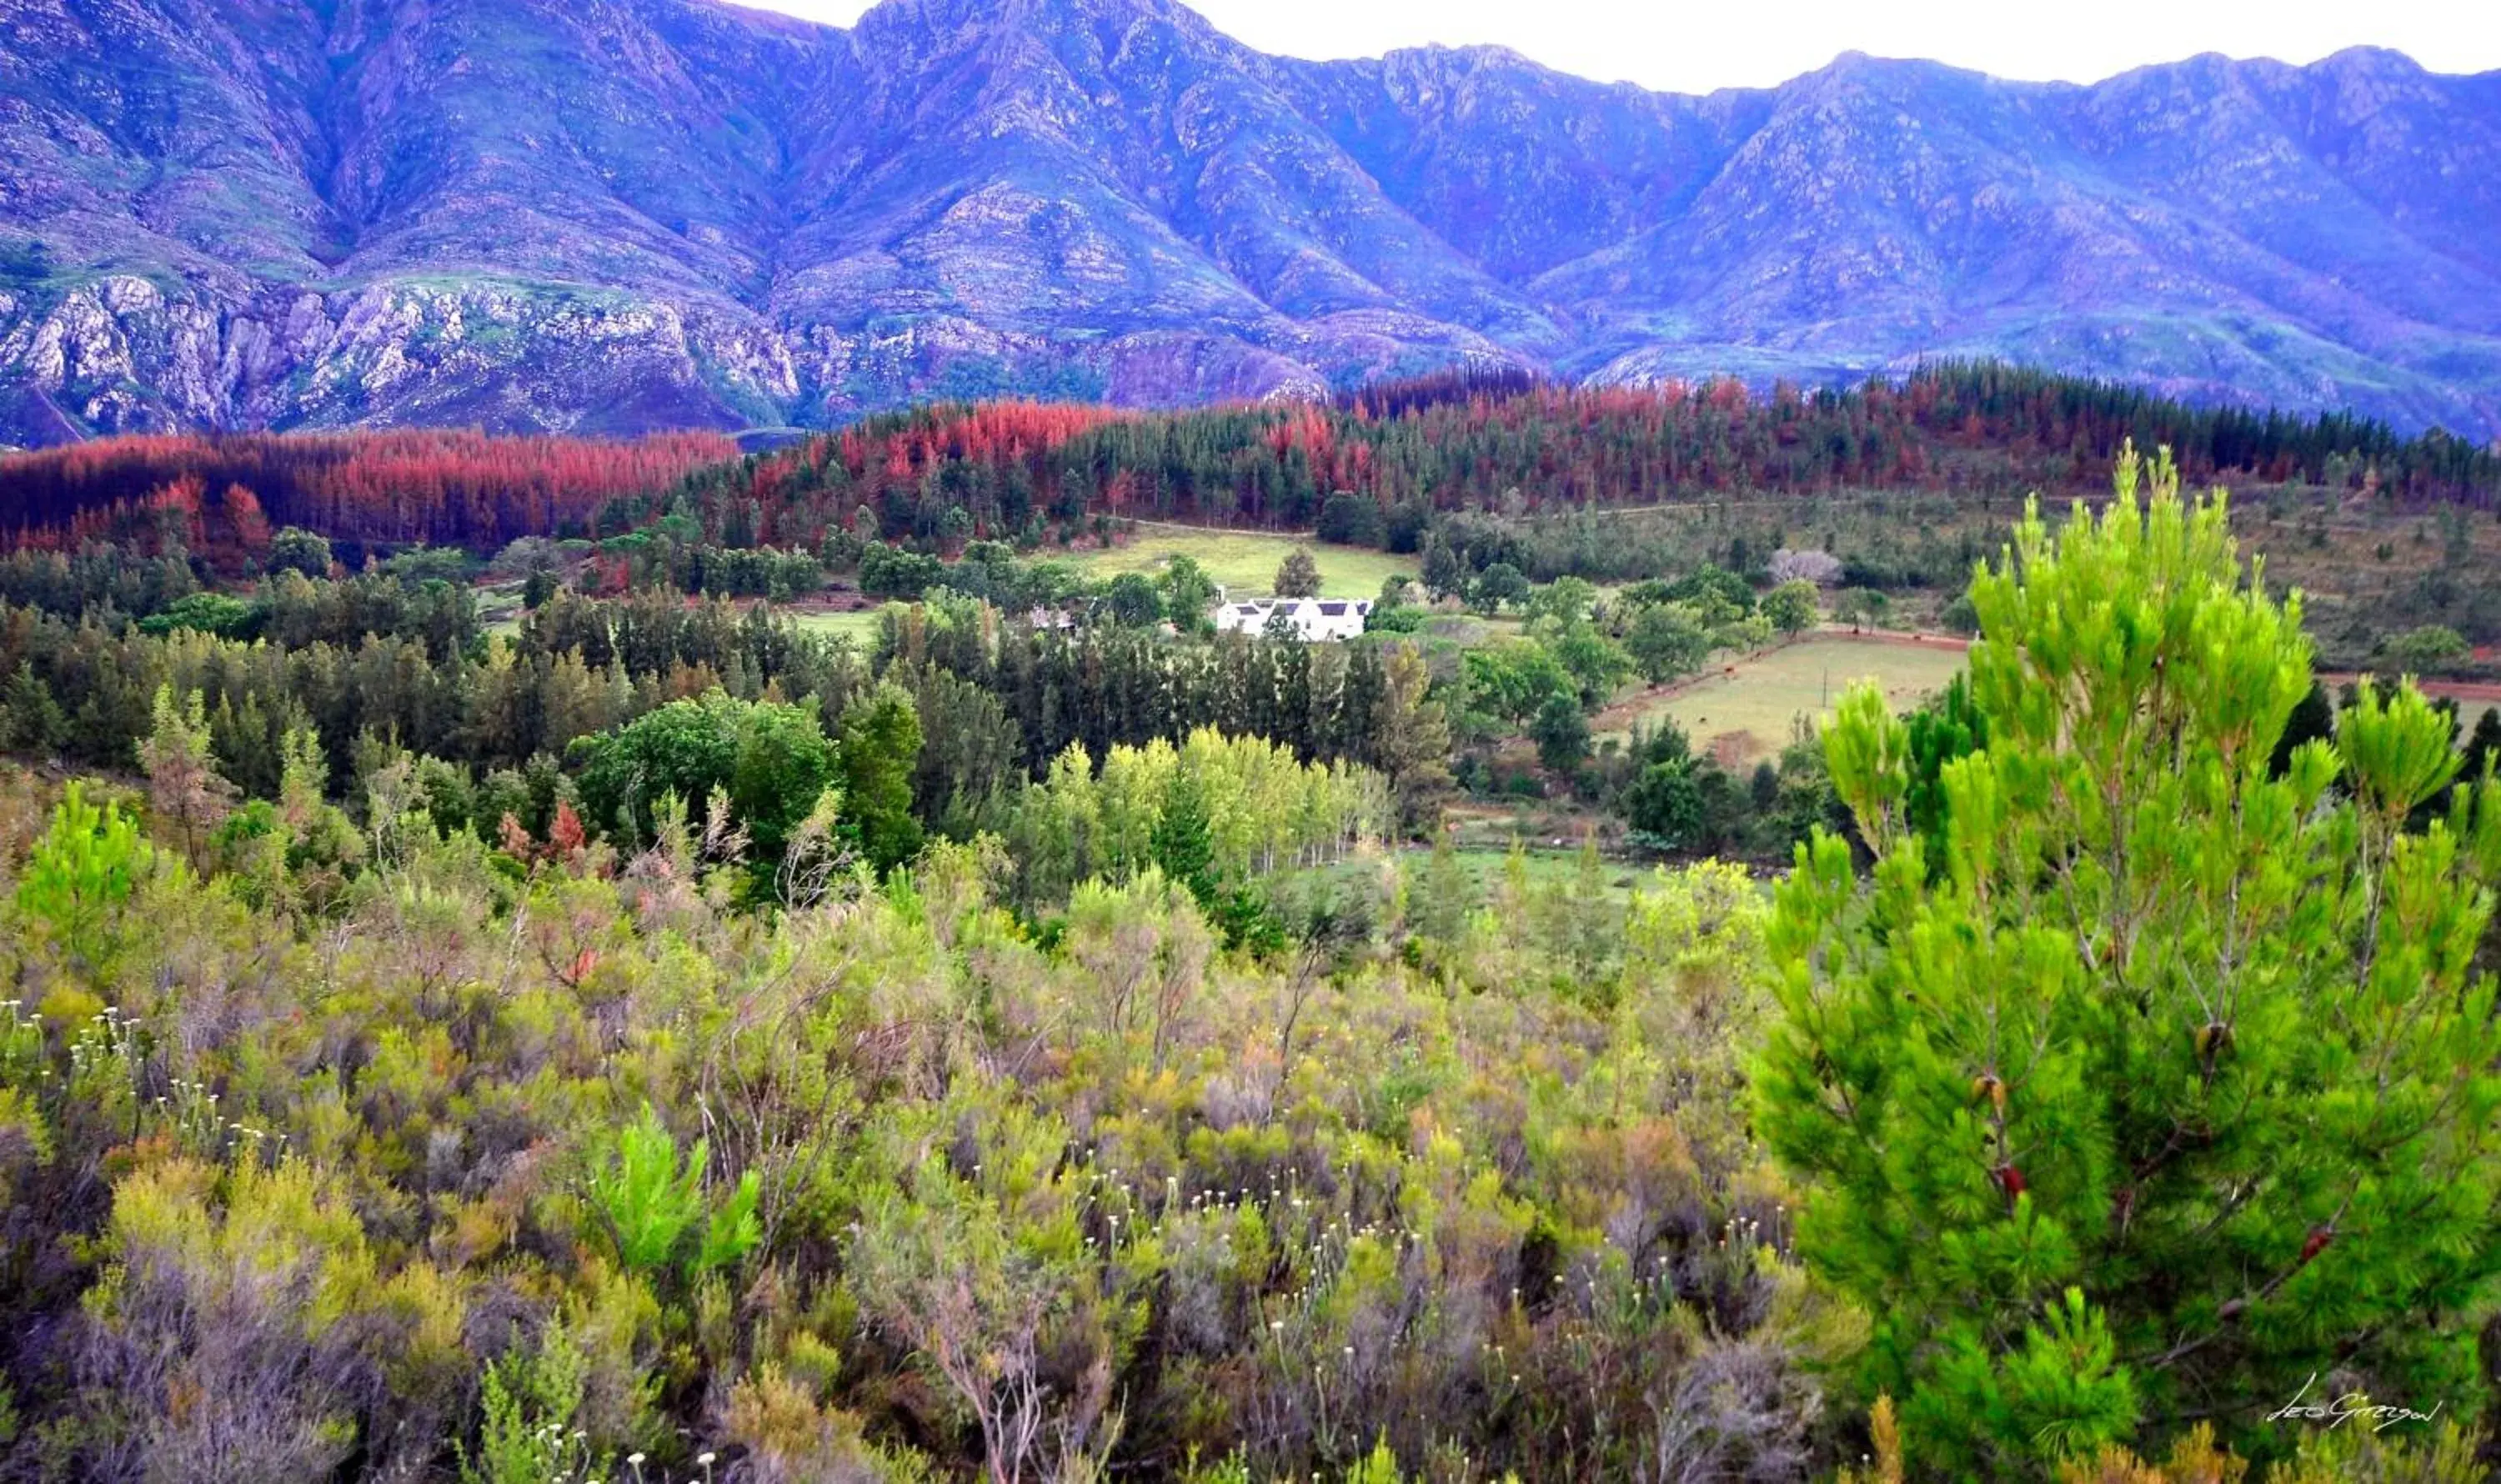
654	1204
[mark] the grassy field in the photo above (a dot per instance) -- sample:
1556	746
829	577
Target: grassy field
1244	562
1542	865
1746	718
860	626
503	616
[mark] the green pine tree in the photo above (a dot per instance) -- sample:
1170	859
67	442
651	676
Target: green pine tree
31	721
1184	841
76	884
2312	718
1443	895
2170	1086
881	752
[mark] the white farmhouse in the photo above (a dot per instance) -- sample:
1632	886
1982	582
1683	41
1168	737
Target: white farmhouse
1313	618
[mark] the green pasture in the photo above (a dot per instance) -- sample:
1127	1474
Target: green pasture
1245	561
860	626
1746	716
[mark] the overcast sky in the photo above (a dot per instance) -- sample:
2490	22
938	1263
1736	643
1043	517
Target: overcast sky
1683	46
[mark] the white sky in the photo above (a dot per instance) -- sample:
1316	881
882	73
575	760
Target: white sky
1694	46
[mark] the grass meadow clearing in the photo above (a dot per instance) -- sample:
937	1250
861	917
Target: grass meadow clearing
1745	713
859	625
1246	563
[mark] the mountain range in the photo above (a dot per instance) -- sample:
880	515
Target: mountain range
619	215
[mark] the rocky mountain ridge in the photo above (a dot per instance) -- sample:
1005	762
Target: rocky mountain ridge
616	215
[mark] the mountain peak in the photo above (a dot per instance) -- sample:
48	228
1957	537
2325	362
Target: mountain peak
2372	61
660	212
1043	15
1860	65
1478	53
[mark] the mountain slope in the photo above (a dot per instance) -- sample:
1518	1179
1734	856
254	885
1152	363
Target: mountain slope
613	214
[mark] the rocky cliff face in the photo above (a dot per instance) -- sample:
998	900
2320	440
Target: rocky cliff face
614	214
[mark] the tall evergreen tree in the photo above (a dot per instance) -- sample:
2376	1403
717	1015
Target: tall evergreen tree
1410	737
1947	728
31	720
881	753
1183	842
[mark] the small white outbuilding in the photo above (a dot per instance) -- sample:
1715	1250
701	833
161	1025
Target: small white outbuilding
1313	618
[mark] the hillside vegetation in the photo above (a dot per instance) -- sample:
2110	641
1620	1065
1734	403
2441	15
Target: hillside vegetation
663	1041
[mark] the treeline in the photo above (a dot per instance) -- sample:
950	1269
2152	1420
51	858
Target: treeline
221	493
1099	686
944	475
939	476
376	663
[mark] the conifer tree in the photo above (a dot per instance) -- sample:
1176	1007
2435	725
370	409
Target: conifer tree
1183	842
880	749
1410	736
31	720
1947	728
1441	895
2482	746
2171	1086
2313	717
78	878
1446	575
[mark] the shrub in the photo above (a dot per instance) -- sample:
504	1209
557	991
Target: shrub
2422	650
651	1202
1821	568
526	1434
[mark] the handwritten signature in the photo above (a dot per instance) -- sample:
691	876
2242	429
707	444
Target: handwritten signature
2345	1408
